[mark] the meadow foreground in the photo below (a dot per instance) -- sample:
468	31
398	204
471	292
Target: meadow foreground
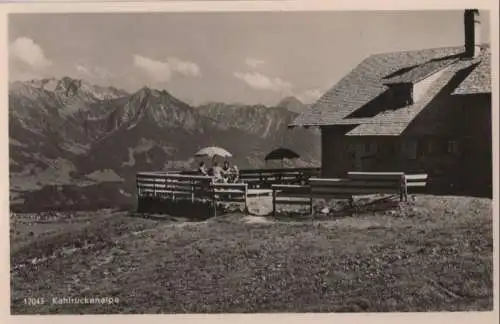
435	254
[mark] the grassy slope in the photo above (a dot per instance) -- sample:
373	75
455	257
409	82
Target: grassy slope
432	256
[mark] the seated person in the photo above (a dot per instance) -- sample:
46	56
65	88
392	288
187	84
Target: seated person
235	174
226	172
217	172
202	169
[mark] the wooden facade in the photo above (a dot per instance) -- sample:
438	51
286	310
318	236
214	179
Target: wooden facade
460	155
412	111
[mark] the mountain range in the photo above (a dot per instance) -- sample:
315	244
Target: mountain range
75	145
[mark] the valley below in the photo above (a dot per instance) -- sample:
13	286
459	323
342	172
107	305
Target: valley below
77	146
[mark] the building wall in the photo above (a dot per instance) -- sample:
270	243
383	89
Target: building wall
433	155
465	119
460	155
335	159
341	154
476	140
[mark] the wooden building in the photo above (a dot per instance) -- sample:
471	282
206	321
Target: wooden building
426	110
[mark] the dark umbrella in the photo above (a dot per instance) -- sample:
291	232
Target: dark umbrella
281	154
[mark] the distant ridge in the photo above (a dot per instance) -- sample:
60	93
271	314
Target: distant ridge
76	145
293	104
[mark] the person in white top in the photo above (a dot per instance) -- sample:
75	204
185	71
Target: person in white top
217	172
236	173
202	169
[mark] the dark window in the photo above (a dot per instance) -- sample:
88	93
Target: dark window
401	95
453	147
421	145
434	146
411	149
431	147
388	150
391	148
367	146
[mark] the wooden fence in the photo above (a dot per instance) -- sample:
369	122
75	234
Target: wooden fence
364	183
230	192
356	184
170	187
174	187
265	178
291	195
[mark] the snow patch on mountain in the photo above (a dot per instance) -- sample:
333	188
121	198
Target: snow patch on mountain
106	175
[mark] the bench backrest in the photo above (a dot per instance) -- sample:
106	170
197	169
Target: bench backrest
416	180
412	180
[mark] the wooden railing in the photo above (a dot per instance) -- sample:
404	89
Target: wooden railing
364	183
194	188
168	185
265	178
230	192
291	195
355	184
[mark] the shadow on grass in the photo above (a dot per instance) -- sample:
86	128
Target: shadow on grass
200	211
182	209
334	209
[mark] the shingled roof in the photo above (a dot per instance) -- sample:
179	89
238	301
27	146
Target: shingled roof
373	76
479	81
419	72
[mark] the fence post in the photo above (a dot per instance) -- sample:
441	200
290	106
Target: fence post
192	190
246	198
138	193
274	200
310	200
172	187
214	199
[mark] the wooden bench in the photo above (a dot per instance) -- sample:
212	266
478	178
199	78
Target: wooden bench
364	183
412	180
356	184
291	195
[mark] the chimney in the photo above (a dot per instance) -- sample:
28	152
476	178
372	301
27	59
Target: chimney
472	35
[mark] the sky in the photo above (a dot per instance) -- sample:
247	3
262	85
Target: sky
232	57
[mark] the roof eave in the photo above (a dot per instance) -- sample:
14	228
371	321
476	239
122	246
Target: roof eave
303	125
390	84
467	93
